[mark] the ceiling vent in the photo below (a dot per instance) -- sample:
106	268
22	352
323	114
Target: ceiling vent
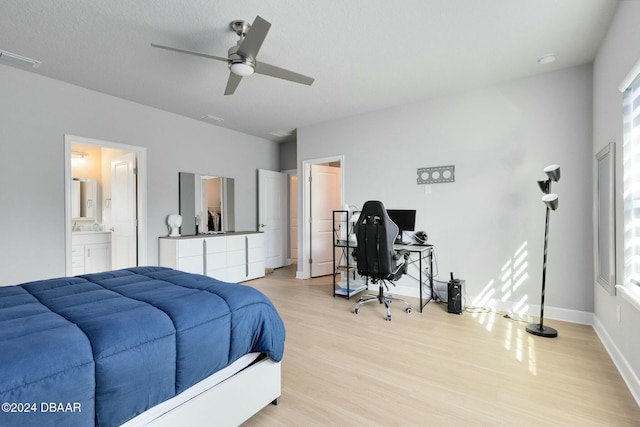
17	60
212	119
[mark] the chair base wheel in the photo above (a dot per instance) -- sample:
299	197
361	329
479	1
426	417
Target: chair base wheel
408	309
356	311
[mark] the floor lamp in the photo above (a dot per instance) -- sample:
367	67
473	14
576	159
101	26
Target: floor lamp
551	200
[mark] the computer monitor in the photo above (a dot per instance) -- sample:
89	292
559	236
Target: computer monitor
405	219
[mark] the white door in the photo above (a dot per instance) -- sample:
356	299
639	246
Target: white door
272	216
124	212
325	198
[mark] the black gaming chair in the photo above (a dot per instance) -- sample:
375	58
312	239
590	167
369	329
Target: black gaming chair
375	257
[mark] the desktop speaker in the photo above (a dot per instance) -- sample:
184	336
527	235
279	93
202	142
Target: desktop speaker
454	296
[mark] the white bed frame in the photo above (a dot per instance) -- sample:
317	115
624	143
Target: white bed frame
227	403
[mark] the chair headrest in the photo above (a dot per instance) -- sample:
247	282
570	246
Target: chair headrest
374	207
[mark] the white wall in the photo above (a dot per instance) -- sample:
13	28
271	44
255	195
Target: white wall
36	113
618	53
499	139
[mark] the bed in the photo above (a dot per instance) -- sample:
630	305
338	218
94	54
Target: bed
139	346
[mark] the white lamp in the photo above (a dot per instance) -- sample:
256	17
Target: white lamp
241	68
174	221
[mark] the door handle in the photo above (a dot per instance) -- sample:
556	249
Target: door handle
263	225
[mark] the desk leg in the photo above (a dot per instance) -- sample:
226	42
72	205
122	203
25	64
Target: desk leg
431	273
431	297
420	282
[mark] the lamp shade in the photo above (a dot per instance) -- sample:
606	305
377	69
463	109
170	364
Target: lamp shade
551	200
553	172
544	186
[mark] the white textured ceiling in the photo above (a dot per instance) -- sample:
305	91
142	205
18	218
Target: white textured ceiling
365	55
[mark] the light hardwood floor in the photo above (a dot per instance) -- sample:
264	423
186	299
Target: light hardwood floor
433	368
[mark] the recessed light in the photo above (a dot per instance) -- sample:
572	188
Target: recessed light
280	133
547	59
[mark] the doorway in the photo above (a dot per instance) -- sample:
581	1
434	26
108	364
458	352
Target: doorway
120	202
322	193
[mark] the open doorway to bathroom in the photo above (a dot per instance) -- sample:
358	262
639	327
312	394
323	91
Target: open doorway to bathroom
105	194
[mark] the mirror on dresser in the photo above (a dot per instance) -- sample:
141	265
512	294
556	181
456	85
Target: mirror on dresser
207	203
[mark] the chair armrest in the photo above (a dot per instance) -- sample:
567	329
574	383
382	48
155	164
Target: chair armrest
402	253
401	267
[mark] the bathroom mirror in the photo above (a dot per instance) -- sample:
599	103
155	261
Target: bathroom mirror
207	204
84	199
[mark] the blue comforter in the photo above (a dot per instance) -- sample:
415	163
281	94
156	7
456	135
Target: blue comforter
100	349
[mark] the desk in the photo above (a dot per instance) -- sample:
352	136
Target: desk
423	252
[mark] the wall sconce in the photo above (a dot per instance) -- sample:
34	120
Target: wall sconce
79	154
78	159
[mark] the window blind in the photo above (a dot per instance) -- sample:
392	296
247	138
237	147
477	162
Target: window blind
631	181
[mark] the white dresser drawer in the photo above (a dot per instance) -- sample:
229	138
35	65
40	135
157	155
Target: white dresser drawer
216	244
190	247
191	264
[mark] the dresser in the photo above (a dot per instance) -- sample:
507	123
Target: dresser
230	257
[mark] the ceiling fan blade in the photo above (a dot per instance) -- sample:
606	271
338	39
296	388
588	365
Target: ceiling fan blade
189	52
252	42
281	73
232	83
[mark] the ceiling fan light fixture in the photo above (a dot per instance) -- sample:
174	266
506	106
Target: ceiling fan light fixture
241	68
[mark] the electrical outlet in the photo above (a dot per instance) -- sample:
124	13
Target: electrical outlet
427	189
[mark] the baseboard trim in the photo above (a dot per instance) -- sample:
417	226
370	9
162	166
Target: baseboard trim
564	314
555	313
627	373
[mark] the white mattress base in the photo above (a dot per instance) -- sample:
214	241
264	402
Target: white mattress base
187	406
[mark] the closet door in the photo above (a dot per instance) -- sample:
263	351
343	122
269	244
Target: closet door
272	216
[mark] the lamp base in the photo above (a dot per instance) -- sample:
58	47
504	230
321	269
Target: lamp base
545	331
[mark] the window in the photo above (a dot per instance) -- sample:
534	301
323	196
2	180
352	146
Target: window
631	159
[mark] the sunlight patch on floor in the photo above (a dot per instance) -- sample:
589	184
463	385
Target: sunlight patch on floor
504	289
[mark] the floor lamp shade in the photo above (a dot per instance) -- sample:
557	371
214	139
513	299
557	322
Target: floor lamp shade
553	172
551	200
545	186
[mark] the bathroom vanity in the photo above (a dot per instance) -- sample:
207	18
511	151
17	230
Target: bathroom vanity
90	252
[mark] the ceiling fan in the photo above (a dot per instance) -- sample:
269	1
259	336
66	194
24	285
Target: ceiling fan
242	57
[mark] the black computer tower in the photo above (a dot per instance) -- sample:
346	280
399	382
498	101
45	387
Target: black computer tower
454	296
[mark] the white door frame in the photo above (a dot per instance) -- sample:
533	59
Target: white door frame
290	173
304	206
141	153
